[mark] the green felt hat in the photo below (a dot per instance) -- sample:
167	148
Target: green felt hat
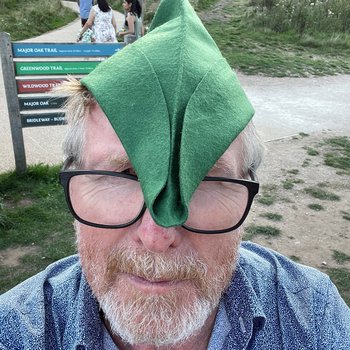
175	104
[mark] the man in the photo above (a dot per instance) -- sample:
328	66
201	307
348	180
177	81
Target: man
160	177
84	10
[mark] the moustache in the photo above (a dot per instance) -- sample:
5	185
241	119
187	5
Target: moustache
155	267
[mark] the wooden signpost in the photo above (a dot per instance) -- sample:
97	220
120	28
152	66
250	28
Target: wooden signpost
31	70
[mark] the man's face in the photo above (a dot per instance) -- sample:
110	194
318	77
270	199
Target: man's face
155	285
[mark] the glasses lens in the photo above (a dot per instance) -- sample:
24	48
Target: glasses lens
105	199
217	205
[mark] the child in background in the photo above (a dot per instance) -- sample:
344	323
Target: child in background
87	37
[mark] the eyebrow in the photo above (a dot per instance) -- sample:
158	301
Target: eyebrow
228	168
117	162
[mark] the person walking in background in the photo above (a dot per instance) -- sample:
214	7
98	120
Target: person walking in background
133	28
102	22
84	10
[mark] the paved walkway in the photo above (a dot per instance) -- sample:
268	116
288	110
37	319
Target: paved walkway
284	107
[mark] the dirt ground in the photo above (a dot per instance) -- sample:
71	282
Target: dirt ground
308	236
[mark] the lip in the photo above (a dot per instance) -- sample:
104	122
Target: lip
156	286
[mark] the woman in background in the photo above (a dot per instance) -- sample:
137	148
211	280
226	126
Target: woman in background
102	21
133	28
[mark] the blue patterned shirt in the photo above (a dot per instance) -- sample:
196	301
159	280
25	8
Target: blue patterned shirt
272	303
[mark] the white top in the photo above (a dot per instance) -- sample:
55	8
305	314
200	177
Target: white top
103	28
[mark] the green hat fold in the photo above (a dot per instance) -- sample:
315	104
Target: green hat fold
175	104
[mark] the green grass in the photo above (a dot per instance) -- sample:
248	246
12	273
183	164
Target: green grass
295	258
323	184
287	184
268	195
345	215
266	199
272	216
311	151
315	206
34	214
259	50
26	19
306	163
254	230
319	193
302	17
341	278
340	257
339	155
201	5
151	6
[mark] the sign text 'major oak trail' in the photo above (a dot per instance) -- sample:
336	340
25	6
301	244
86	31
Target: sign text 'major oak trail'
65	49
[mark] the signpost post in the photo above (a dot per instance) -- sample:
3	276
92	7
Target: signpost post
12	102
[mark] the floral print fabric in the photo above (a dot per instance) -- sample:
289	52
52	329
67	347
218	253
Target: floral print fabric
103	28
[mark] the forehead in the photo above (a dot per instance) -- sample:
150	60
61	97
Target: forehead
103	147
101	143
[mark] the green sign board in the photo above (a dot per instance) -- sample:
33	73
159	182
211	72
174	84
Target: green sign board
55	68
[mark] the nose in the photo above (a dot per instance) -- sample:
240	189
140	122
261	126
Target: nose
155	238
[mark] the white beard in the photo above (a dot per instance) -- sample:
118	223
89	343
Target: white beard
154	320
144	318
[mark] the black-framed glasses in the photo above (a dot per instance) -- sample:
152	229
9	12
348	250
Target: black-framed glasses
112	200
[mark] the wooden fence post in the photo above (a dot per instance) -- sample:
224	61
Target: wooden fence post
12	102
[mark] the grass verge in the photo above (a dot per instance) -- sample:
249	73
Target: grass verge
35	225
341	278
258	50
26	19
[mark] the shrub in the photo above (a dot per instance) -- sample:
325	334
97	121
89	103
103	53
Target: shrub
302	16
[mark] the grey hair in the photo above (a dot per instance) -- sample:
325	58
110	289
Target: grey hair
79	99
252	150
